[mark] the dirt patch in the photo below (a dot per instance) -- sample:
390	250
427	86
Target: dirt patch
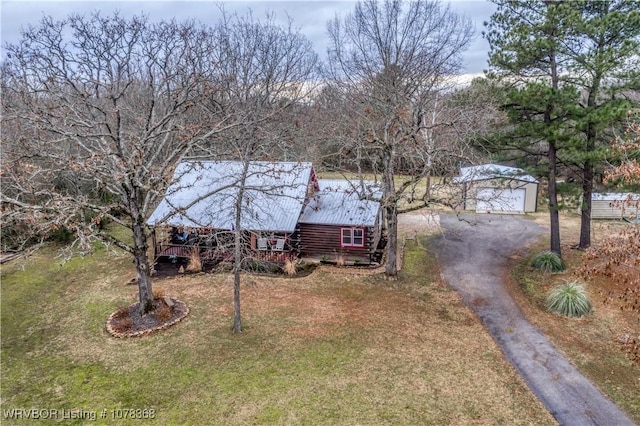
418	222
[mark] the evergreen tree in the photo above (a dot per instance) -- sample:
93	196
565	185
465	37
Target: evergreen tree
525	58
602	46
567	68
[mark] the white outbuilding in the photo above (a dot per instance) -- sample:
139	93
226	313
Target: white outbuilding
496	188
615	206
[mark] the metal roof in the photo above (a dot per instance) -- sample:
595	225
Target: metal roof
492	171
203	195
615	196
338	202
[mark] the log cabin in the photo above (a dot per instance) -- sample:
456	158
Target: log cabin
340	222
286	213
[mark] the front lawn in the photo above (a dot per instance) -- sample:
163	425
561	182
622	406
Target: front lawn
336	347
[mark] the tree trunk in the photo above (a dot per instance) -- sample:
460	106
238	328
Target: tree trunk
237	318
391	214
588	170
427	191
143	271
391	266
554	217
585	212
237	267
237	251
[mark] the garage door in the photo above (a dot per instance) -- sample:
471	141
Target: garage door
500	200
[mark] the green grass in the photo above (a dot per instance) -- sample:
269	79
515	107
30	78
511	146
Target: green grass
330	348
419	263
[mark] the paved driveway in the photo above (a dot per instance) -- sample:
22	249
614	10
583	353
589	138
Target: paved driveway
473	252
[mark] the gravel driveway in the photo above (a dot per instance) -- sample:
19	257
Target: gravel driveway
472	255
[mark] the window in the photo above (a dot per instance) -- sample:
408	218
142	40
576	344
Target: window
352	237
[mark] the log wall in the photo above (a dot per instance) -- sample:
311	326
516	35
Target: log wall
324	240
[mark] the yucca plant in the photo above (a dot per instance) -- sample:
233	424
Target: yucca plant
548	261
569	299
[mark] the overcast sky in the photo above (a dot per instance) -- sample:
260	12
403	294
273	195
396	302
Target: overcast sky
309	16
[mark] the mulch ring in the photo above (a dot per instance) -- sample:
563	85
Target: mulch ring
127	322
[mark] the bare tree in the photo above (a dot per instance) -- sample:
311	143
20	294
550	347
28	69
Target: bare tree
100	104
391	60
266	70
623	166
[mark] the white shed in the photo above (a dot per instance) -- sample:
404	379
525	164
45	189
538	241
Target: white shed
495	188
615	205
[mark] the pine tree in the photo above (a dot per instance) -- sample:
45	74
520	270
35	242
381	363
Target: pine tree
525	39
567	68
603	42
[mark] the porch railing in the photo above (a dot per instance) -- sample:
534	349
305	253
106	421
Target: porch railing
185	251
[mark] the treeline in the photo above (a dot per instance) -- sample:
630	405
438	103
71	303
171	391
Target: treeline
98	110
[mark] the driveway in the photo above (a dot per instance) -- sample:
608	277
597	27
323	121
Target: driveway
473	252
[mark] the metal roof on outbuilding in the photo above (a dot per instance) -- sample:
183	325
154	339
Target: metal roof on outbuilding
492	171
203	195
615	196
339	202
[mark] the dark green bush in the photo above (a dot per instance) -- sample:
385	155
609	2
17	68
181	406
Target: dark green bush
62	235
548	261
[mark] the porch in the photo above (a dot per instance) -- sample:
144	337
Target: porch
213	247
172	253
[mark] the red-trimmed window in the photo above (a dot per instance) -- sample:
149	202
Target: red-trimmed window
351	237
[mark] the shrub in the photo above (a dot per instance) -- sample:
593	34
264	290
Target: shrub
122	321
290	267
163	312
62	235
548	261
569	299
195	263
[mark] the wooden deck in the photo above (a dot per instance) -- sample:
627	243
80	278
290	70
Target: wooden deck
179	251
